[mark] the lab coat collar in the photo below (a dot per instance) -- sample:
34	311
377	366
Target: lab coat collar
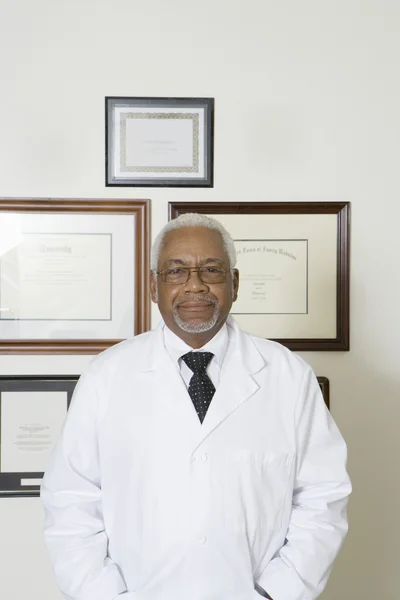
252	361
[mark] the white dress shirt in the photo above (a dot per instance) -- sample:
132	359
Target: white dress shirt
218	345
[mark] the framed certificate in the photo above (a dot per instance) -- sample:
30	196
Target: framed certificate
73	274
293	260
32	412
159	142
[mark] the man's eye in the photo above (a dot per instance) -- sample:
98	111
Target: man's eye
212	270
176	271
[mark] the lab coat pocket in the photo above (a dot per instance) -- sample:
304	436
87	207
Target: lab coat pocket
256	489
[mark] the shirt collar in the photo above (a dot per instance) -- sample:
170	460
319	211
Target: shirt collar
176	347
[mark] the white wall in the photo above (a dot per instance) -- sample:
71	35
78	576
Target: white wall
307	108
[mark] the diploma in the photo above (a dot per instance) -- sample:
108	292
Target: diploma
293	259
273	277
31	422
159	142
57	277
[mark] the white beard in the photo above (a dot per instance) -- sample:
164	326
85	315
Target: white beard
201	327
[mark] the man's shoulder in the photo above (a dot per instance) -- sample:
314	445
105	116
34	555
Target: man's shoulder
130	350
275	353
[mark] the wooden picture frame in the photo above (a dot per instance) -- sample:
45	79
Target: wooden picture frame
312	239
74	274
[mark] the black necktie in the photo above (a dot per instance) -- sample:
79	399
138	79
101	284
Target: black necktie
201	388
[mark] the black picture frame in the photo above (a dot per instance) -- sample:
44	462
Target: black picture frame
324	385
196	115
12	483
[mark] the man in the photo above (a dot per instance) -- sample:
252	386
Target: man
197	462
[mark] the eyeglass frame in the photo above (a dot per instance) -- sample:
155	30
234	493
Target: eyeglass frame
189	270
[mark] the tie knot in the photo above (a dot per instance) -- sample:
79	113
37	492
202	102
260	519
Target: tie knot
197	361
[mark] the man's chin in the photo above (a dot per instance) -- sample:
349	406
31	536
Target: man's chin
196	325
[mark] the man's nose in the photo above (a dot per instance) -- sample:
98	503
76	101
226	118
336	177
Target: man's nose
194	282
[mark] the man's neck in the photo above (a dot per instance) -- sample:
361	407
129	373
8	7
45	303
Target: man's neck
197	340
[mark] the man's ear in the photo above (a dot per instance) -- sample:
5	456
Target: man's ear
235	284
153	287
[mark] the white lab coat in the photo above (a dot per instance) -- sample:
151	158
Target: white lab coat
144	501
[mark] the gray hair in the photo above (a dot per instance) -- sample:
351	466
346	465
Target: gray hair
193	220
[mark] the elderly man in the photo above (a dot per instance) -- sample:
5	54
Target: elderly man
197	462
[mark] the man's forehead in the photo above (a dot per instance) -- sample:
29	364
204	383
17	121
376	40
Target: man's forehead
186	241
187	236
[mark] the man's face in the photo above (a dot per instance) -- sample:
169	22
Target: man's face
195	311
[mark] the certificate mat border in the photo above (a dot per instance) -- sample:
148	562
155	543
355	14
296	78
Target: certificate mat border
10	483
207	104
342	211
141	287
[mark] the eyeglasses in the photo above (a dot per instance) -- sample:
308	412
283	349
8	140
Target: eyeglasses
180	275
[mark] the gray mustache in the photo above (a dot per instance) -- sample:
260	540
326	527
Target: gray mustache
198	298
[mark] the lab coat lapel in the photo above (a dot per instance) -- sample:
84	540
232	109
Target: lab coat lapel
237	383
170	385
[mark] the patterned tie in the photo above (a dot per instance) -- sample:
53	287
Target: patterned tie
201	388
